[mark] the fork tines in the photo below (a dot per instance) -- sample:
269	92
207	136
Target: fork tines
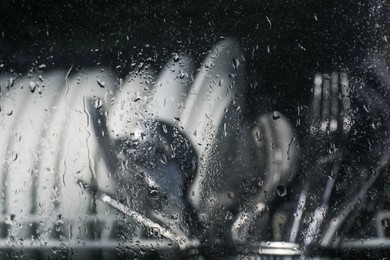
331	103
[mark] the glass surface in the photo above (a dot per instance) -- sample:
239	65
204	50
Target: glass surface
194	130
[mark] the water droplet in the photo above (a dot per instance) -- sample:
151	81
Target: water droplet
100	83
385	223
153	191
33	86
181	74
42	66
164	159
276	115
236	63
59	220
10	220
229	215
175	57
281	190
40	78
11	82
301	47
269	21
220	82
98	103
258	136
231	195
14	156
164	127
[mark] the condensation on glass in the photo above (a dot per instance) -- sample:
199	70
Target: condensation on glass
177	158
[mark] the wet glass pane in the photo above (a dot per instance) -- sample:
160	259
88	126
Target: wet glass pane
194	130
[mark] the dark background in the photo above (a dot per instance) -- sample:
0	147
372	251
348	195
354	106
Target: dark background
284	42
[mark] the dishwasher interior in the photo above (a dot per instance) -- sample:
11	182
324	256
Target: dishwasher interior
194	130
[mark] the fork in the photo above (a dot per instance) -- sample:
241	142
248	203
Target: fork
329	126
376	105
